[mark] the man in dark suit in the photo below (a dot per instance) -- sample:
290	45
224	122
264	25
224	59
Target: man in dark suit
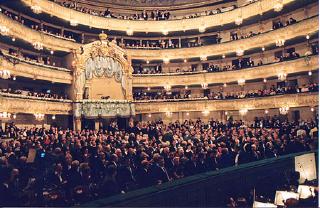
159	173
142	174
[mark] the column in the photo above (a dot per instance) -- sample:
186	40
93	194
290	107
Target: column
97	124
77	123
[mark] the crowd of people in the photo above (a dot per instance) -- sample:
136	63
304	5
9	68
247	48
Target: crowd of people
34	93
55	167
221	95
279	24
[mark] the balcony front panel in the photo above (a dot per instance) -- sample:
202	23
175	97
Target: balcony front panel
264	71
67	14
24	104
36	72
291	101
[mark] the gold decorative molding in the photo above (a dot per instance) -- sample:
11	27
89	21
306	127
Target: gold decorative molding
37	72
295	100
264	71
302	28
67	14
20	31
29	105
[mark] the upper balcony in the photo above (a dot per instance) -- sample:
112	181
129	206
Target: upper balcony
258	72
165	27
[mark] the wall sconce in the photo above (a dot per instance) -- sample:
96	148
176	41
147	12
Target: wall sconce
39	116
5	74
129	32
238	20
38	46
280	42
243	112
278	6
206	112
240	52
310	73
149	115
36	9
202	29
4	30
168	114
204	85
282	76
166	60
5	115
266	111
165	32
167	87
284	110
225	85
53	117
203	58
241	82
74	22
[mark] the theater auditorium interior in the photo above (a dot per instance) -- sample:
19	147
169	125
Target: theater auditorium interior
159	103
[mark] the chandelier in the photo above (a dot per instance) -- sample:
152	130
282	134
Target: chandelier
243	112
5	74
282	76
238	20
38	46
5	115
241	82
284	110
74	22
280	42
36	9
39	116
167	87
239	52
4	30
278	6
204	85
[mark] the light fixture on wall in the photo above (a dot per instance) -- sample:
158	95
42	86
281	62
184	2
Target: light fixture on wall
243	112
5	115
280	42
307	37
36	9
266	111
263	48
278	6
14	116
148	88
265	80
39	116
202	29
203	58
223	56
204	85
225	85
185	60
4	30
187	114
51	52
129	32
310	73
5	74
241	82
312	109
282	76
38	46
167	87
226	113
239	52
165	32
74	22
206	112
149	115
186	87
284	110
13	39
147	61
168	114
166	60
53	117
238	20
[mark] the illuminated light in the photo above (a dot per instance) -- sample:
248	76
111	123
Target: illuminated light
223	56
312	109
310	73
166	60
74	22
51	52
13	39
36	9
280	42
5	74
203	58
264	80
241	82
168	114
165	32
278	6
148	88
243	112
266	111
226	113
167	87
129	32
4	30
240	52
204	85
282	76
307	37
185	61
14	78
263	49
306	191
53	117
39	116
225	85
206	112
238	21
149	115
37	45
5	115
187	114
14	116
284	110
202	29
147	61
186	87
